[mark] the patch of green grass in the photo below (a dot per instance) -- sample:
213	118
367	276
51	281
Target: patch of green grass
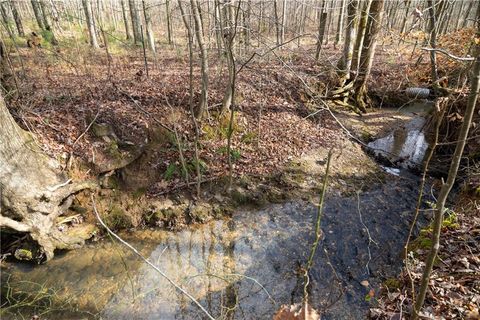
450	220
47	38
234	153
249	137
170	172
192	165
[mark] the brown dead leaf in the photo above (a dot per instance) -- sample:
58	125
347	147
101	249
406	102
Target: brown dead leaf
297	312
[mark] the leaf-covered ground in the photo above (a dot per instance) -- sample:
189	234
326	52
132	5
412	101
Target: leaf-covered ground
62	90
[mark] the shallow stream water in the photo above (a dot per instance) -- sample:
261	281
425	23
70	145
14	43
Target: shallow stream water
407	145
244	267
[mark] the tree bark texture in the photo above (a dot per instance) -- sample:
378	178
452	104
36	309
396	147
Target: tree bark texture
33	191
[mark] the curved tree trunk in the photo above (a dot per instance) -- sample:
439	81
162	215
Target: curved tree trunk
228	44
33	191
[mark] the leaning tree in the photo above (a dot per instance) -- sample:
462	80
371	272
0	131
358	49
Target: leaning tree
33	190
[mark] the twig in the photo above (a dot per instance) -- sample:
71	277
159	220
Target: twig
86	130
58	186
318	231
370	240
183	291
449	54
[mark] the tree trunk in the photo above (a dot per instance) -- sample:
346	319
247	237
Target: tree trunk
34	191
329	8
6	19
284	21
321	30
459	14
204	59
137	35
247	25
277	22
38	14
218	29
345	62
125	20
405	17
433	39
362	27
17	18
7	78
467	14
228	37
148	23
338	37
46	22
169	23
87	8
368	51
192	112
452	175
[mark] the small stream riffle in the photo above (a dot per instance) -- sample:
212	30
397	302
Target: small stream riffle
244	267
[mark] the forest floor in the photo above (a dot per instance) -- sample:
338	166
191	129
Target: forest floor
99	114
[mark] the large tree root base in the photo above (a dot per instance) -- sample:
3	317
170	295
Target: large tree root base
42	228
350	97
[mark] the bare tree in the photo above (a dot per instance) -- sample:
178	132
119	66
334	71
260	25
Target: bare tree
345	62
137	33
284	21
339	35
433	38
148	24
228	35
169	22
125	20
277	22
90	23
17	17
321	29
203	59
368	52
362	27
38	14
192	111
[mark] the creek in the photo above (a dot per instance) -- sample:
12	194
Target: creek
243	267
